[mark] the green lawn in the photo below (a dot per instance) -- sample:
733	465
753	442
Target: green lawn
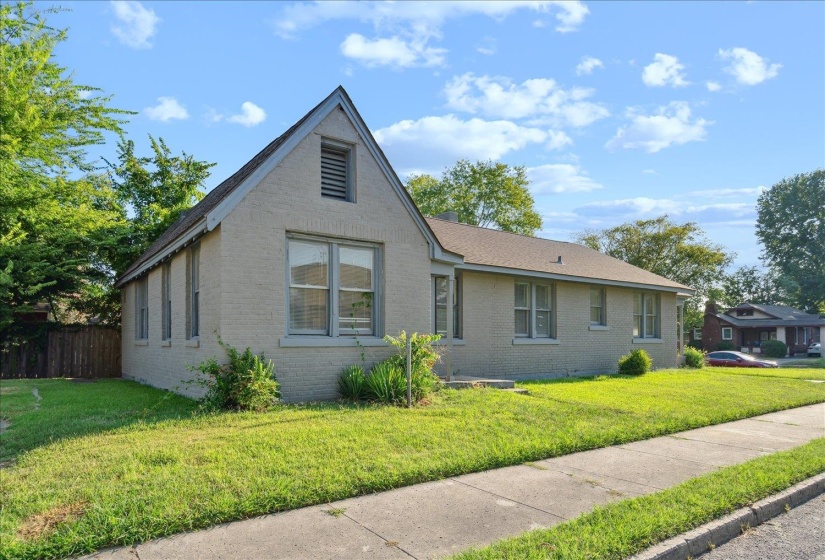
155	475
809	373
624	528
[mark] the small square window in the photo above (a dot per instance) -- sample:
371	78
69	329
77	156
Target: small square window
727	333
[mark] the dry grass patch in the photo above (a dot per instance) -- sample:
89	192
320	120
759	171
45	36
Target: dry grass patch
45	522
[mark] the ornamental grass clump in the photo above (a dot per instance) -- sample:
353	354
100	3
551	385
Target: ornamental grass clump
387	384
246	383
637	362
352	383
694	358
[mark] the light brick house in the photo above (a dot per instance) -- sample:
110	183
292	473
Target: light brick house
313	250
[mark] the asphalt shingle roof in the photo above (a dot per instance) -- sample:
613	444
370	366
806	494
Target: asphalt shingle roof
482	246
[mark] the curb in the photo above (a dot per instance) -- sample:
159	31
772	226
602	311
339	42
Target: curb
708	536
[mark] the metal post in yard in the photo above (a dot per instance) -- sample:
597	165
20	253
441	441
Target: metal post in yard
409	371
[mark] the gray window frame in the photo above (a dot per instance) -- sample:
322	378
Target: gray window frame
532	308
457	304
166	301
142	308
656	313
334	329
730	330
602	307
193	307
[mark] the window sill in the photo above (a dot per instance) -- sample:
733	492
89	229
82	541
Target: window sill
531	341
166	343
193	343
598	328
647	341
456	342
143	342
328	342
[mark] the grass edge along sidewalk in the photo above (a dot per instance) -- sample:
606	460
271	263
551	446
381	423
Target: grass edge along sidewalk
628	527
151	478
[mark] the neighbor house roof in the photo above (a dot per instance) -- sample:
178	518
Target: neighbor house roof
782	316
499	251
207	213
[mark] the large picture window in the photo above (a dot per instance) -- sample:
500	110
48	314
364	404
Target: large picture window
440	306
332	287
646	315
533	307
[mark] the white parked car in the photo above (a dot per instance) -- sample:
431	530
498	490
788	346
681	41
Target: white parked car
815	349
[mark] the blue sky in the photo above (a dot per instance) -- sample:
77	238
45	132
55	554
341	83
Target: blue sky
618	110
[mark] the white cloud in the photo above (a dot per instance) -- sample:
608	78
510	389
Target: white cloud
499	97
560	178
432	142
713	86
557	139
644	207
663	71
670	125
748	67
136	24
487	47
649	172
251	115
393	51
167	109
423	16
587	65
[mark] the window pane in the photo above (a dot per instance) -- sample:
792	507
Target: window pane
307	309
596	315
522	295
354	310
356	267
650	326
543	323
522	322
650	304
542	296
637	326
440	304
637	304
596	297
308	263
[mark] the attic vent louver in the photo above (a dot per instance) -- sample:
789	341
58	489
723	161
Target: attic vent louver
559	261
335	176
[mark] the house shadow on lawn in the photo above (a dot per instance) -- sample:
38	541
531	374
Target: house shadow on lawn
38	412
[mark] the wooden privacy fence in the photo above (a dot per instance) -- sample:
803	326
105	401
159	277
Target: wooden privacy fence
86	351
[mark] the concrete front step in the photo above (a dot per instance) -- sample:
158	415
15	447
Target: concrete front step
471	382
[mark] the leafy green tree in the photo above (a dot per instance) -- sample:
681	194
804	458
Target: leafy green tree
791	227
484	193
750	284
50	222
679	252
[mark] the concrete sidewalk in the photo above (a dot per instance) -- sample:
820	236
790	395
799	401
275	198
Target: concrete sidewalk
440	518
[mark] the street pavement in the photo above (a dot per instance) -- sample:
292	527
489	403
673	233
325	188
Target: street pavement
440	518
796	535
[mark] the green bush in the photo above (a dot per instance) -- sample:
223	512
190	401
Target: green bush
725	345
247	382
635	363
386	383
775	349
694	358
352	383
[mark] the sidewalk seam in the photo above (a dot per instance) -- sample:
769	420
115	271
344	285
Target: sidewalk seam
710	535
508	498
377	535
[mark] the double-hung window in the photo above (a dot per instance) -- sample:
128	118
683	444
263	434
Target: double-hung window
440	306
194	284
332	287
597	306
166	310
142	308
533	307
646	315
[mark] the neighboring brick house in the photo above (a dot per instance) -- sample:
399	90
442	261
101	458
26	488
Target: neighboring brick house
749	325
314	250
